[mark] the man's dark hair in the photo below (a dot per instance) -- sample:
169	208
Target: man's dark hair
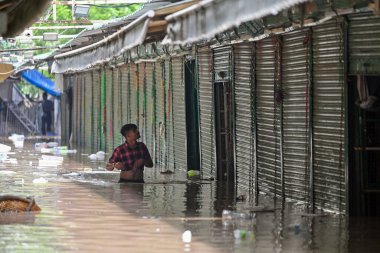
126	128
44	95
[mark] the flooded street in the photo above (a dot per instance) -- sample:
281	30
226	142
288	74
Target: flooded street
84	209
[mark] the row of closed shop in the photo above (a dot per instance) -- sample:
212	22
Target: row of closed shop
288	110
104	99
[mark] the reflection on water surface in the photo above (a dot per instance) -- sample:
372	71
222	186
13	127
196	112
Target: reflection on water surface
84	209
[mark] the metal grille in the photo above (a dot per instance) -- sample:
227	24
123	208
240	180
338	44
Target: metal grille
268	141
150	109
179	114
133	75
244	136
328	117
295	115
160	135
364	44
206	113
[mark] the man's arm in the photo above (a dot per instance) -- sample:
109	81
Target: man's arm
147	158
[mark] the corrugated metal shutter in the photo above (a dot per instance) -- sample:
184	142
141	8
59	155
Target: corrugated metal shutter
108	107
133	75
295	83
160	115
88	108
268	135
244	136
206	113
150	111
125	94
141	100
169	115
75	125
179	114
95	110
117	109
328	117
64	111
364	44
83	110
102	112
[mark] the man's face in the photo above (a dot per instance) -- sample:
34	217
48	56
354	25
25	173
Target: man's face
134	134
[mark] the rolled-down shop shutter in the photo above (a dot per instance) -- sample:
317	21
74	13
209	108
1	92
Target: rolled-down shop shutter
141	100
328	117
83	111
124	94
64	114
89	108
295	83
267	116
364	44
75	125
134	90
95	108
108	135
206	112
160	115
116	112
179	114
244	136
150	109
169	115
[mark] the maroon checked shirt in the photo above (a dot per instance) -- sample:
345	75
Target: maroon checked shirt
127	155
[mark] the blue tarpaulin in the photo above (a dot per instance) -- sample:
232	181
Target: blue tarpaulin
39	80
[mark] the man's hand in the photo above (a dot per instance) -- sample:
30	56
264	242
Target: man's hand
112	166
138	164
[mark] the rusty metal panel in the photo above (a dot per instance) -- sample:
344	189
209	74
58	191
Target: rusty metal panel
328	117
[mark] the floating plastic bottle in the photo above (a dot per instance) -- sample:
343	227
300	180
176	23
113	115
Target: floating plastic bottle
186	236
231	215
241	234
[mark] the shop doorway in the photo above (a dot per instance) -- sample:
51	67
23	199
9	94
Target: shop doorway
223	132
192	119
364	145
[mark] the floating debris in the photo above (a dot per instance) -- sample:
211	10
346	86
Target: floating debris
186	236
9	203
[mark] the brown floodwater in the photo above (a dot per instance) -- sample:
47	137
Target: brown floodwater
84	209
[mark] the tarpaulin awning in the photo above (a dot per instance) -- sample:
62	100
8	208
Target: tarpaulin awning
105	50
211	17
148	27
37	79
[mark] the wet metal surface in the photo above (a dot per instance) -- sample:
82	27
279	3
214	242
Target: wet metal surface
84	209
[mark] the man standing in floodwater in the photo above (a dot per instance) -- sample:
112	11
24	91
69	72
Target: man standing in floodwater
47	110
130	157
